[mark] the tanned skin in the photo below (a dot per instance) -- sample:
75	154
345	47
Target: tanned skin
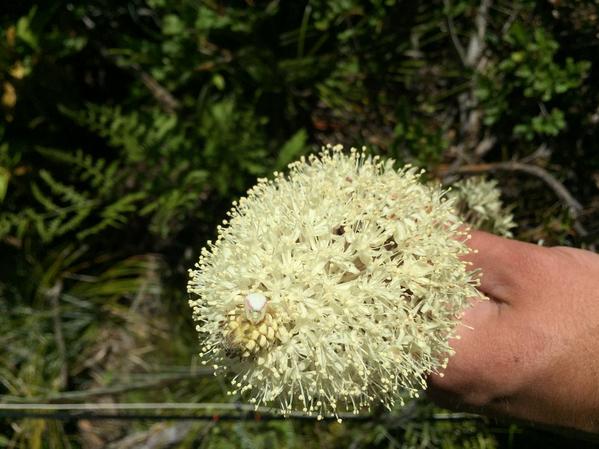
532	351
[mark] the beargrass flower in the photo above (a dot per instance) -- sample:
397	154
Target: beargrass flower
478	201
333	288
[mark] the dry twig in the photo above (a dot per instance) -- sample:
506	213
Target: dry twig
574	207
454	38
83	395
165	99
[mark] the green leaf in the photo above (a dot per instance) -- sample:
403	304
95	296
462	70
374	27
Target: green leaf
24	31
292	149
219	81
172	25
4	178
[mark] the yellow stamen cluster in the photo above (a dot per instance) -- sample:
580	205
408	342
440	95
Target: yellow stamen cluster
246	338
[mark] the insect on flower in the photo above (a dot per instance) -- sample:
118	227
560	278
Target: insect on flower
255	307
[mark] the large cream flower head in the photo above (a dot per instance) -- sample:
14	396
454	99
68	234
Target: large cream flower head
333	288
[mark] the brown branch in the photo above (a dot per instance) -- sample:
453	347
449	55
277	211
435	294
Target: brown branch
165	99
454	38
83	395
476	46
574	207
469	150
214	408
484	146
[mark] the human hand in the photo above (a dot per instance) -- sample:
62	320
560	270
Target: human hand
532	351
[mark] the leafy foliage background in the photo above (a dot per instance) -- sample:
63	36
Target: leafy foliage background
127	127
